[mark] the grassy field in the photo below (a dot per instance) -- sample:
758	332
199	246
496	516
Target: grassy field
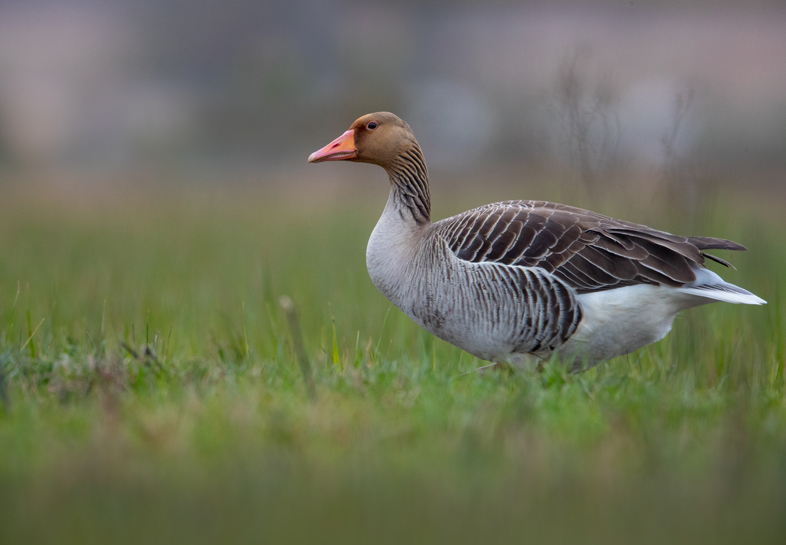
149	391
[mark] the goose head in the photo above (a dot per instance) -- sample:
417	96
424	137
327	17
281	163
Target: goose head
377	138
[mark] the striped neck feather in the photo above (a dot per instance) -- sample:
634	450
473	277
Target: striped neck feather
409	185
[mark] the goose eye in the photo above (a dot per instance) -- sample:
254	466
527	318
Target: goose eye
372	125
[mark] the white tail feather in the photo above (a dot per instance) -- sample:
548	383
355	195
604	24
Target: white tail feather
711	286
720	294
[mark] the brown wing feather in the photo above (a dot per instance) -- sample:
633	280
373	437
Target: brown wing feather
588	251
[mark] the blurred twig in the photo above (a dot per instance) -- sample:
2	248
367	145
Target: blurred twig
297	341
4	400
682	105
683	182
591	121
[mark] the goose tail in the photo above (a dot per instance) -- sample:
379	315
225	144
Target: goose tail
711	286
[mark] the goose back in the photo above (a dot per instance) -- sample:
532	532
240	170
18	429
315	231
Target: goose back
588	251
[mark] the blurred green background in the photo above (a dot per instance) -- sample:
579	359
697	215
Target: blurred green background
155	203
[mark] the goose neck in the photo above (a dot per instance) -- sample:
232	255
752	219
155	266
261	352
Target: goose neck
409	188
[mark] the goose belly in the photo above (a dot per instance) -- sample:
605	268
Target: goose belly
445	310
485	311
622	320
486	335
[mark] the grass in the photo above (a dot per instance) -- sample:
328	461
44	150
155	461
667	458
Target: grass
150	393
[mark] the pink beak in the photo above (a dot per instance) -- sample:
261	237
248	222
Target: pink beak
339	149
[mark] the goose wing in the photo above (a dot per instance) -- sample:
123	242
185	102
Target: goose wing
588	251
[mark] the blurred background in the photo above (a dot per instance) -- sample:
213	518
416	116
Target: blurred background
218	92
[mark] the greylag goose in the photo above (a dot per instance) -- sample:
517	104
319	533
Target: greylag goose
518	281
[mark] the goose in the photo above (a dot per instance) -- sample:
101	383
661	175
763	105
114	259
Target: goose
520	282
